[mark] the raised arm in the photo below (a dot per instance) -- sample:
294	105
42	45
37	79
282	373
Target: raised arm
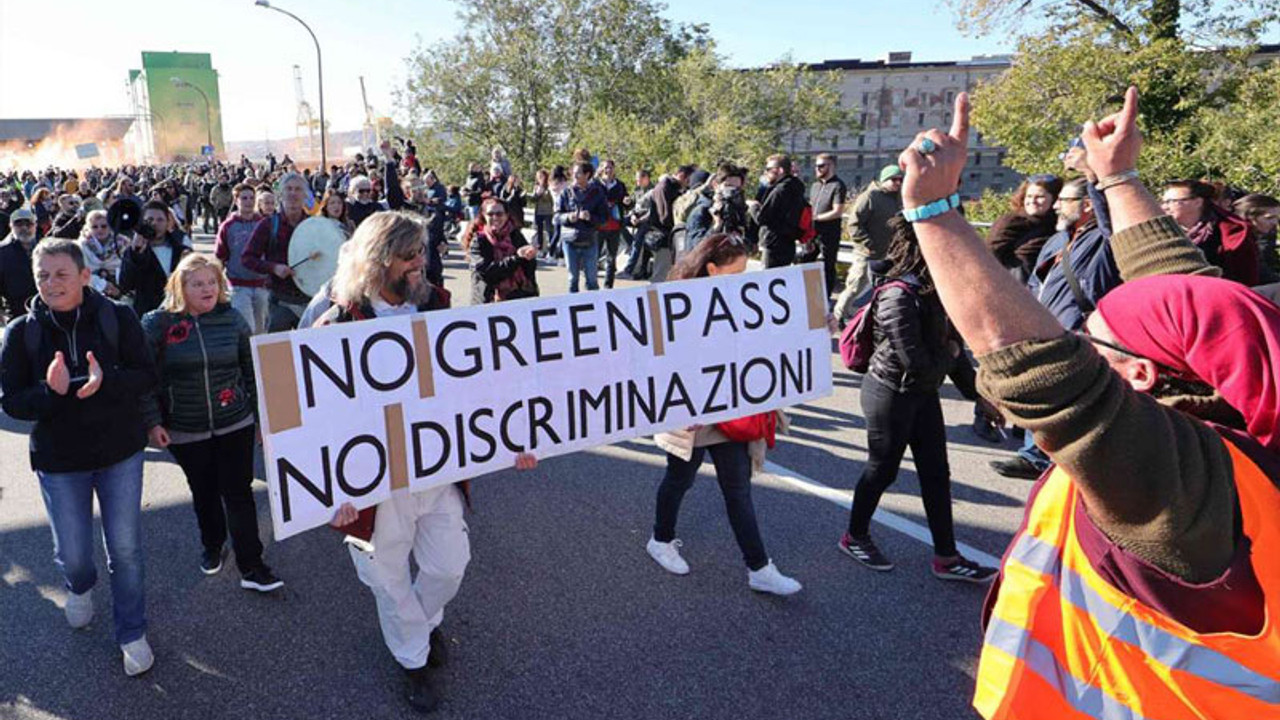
1140	466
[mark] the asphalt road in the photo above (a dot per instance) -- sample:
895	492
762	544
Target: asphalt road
561	615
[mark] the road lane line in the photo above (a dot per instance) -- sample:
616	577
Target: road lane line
882	516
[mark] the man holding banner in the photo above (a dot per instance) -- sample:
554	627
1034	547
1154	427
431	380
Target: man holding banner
382	275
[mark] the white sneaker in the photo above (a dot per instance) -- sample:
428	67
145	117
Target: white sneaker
79	609
668	556
138	657
768	579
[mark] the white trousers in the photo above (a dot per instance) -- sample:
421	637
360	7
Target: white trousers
430	525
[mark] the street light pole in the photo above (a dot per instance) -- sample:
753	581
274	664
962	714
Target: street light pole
324	157
208	111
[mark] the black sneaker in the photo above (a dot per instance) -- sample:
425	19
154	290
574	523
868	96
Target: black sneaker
865	552
1016	467
438	654
986	430
419	690
962	570
211	561
260	578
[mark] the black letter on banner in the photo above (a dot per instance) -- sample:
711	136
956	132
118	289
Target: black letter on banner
752	305
346	385
540	412
585	400
470	352
408	361
416	430
781	301
710	406
284	469
669	401
580	330
794	372
539	336
646	405
483	435
673	315
616	316
773	381
505	341
504	427
718	311
342	464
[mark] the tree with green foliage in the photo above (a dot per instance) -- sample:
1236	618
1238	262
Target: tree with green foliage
1194	102
540	77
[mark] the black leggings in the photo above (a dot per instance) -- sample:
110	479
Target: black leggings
733	472
894	421
219	472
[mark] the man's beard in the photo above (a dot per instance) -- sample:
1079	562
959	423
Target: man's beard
1065	223
410	292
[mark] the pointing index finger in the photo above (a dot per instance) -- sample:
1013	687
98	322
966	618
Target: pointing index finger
960	119
1127	118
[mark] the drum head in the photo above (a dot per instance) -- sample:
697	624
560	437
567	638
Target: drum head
313	252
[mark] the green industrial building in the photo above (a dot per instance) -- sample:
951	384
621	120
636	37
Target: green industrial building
176	104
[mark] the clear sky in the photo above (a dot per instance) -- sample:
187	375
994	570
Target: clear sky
70	58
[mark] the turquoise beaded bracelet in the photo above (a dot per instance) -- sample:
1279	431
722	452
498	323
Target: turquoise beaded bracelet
933	209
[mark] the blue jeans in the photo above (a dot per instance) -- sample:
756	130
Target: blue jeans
68	498
1033	454
584	260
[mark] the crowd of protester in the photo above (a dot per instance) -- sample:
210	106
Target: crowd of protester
1095	298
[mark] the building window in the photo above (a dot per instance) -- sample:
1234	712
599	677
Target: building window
835	141
920	120
859	161
866	80
861	139
951	96
865	97
946	119
862	119
977	158
953	77
974	176
857	181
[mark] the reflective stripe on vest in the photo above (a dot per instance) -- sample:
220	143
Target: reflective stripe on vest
1061	636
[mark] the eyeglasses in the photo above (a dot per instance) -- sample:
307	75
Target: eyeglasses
1070	198
1126	351
365	191
412	254
820	165
22	222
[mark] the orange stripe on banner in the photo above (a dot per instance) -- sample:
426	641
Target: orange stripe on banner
399	460
815	292
422	349
655	319
280	383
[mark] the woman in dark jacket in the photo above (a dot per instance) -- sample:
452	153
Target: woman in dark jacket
915	349
503	264
203	411
1016	238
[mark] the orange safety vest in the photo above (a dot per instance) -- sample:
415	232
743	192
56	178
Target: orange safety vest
1062	642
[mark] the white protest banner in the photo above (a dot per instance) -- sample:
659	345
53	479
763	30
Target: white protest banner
355	410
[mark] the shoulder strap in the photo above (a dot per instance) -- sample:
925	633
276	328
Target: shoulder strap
1082	300
109	327
31	341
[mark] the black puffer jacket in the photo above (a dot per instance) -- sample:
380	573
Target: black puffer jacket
74	435
914	339
206	370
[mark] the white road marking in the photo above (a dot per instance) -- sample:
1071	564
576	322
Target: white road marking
884	517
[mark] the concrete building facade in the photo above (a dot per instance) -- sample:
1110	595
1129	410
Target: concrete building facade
895	99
